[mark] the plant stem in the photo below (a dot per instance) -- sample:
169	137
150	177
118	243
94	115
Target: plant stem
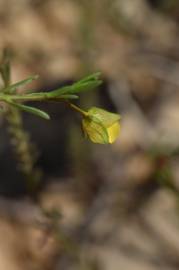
76	108
33	97
28	97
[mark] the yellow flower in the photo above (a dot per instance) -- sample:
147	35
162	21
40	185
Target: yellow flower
101	126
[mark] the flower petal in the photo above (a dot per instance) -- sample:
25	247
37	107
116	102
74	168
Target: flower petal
113	132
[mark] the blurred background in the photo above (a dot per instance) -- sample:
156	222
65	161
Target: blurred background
99	207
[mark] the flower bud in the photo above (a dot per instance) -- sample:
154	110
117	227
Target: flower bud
101	126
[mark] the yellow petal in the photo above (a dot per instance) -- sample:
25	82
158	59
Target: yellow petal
113	132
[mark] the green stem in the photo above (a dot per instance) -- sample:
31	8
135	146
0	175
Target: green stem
28	97
33	97
76	108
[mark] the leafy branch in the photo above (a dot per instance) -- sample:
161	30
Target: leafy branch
98	125
10	96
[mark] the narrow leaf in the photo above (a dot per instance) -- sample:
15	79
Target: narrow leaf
11	89
85	86
92	77
76	88
30	109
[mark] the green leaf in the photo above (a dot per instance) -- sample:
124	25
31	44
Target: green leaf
11	89
92	77
85	84
30	109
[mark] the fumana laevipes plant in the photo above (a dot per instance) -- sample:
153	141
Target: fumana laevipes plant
99	125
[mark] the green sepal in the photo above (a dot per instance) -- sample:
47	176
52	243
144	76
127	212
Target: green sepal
96	132
12	88
30	109
102	116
